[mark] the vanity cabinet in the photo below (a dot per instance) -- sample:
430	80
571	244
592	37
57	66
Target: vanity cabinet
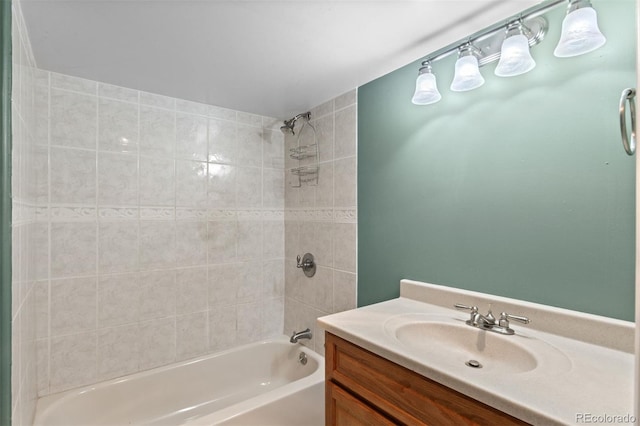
363	388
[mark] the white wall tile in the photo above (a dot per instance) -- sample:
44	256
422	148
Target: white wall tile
344	246
249	146
249	317
249	187
157	181
346	99
273	273
157	343
344	291
157	294
192	335
118	351
224	281
73	176
73	361
191	290
118	299
273	149
117	179
191	183
157	131
191	243
273	242
273	189
345	182
221	186
117	126
117	246
73	305
250	287
191	137
223	240
249	240
345	133
157	244
223	148
73	249
73	119
222	327
325	134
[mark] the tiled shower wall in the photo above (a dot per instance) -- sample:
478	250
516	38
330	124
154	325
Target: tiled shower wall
160	230
23	181
321	219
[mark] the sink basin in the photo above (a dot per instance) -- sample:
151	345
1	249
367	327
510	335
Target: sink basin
449	340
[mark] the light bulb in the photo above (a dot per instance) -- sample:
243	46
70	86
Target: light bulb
426	88
467	74
515	57
580	33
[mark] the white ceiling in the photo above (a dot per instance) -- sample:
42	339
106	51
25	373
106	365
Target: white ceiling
274	58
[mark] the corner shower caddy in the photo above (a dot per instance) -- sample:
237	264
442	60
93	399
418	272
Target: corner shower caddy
307	172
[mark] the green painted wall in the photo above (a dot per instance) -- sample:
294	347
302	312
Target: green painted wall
5	212
520	188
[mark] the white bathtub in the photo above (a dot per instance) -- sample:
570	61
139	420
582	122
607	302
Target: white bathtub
257	384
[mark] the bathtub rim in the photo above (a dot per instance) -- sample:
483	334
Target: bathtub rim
48	402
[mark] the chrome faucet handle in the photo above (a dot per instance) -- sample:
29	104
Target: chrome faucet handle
474	312
505	317
473	309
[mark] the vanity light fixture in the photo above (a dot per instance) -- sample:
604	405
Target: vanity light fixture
580	32
509	43
467	72
515	57
426	87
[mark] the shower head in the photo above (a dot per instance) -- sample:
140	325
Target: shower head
287	128
291	123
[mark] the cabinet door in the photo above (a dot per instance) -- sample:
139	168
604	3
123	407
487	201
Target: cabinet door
346	410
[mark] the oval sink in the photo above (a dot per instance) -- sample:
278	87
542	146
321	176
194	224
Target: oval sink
450	341
462	344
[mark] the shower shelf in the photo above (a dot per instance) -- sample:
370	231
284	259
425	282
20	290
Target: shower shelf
307	173
302	152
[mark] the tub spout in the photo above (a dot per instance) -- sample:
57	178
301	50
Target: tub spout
305	334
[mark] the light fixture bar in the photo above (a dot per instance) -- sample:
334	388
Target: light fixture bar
527	16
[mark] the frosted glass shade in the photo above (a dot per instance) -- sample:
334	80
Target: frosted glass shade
426	89
467	74
515	58
580	33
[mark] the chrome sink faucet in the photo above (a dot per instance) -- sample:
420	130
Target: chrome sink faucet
488	322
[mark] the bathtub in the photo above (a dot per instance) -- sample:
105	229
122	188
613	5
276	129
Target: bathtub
257	384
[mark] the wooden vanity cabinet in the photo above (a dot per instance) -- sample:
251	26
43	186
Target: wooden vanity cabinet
363	388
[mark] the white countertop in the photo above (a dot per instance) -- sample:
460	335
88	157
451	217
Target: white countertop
586	375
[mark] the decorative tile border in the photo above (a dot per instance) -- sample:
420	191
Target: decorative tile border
191	214
128	213
72	213
157	213
322	215
110	213
345	215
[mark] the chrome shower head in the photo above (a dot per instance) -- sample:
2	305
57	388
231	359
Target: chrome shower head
287	128
290	124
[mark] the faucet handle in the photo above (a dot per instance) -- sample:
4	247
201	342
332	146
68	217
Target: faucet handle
473	309
505	317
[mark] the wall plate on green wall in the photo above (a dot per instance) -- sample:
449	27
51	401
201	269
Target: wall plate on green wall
519	188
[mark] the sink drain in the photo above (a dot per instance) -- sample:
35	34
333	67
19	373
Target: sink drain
473	363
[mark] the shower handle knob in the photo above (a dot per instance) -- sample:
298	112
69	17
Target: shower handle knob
307	264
